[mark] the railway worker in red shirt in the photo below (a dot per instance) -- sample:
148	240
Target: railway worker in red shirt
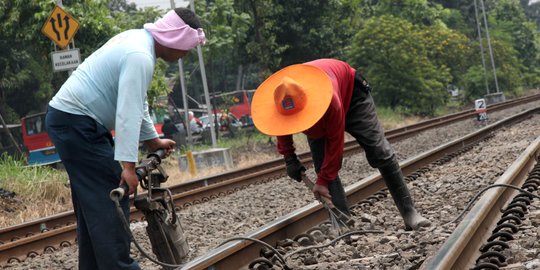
323	99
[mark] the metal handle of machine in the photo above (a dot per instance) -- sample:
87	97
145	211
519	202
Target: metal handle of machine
146	165
119	192
150	163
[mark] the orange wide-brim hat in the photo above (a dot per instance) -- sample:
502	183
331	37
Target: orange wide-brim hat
291	100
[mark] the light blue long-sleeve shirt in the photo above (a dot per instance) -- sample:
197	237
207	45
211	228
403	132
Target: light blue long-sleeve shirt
111	87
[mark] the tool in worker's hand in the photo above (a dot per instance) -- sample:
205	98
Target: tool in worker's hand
337	217
164	228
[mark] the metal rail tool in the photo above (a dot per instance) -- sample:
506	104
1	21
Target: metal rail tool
164	228
339	220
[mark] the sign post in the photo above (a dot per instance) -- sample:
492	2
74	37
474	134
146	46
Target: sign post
481	109
61	27
65	59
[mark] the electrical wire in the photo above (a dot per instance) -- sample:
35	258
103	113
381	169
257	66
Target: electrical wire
332	242
283	258
484	190
257	241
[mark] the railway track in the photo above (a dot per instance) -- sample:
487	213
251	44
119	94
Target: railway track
298	225
483	234
47	234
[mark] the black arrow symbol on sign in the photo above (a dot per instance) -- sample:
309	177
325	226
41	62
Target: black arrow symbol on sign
54	29
59	19
66	18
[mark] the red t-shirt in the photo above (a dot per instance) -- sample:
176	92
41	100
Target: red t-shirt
332	124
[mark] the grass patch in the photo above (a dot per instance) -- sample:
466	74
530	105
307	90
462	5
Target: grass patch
390	118
39	192
40	182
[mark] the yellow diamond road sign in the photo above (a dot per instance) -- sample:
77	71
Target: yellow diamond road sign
60	27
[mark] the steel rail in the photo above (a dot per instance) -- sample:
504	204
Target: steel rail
238	254
36	226
462	247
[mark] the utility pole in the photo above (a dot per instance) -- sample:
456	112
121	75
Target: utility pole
489	45
205	85
481	46
205	88
184	95
60	4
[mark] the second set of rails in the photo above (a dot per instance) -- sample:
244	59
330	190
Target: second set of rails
31	239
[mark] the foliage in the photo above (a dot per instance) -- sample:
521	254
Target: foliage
474	83
513	28
409	49
393	54
447	48
21	59
262	47
159	85
419	12
309	30
225	28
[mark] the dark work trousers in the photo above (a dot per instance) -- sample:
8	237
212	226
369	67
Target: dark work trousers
362	123
86	150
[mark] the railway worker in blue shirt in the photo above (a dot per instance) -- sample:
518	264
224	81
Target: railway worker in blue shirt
109	91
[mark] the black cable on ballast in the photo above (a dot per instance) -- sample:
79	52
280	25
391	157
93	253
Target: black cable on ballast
257	241
331	242
484	190
283	258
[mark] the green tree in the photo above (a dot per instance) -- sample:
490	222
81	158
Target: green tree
394	56
532	11
447	48
226	28
310	30
415	11
27	81
514	29
261	45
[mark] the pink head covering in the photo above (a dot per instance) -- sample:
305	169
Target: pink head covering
172	32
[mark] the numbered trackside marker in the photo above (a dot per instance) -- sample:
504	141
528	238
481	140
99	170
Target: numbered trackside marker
481	109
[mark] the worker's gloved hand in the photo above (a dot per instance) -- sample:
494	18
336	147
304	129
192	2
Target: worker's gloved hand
294	167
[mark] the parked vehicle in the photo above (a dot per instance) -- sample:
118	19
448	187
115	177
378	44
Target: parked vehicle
39	147
41	150
209	121
237	103
223	130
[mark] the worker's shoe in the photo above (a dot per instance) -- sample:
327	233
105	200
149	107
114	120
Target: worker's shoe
393	178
